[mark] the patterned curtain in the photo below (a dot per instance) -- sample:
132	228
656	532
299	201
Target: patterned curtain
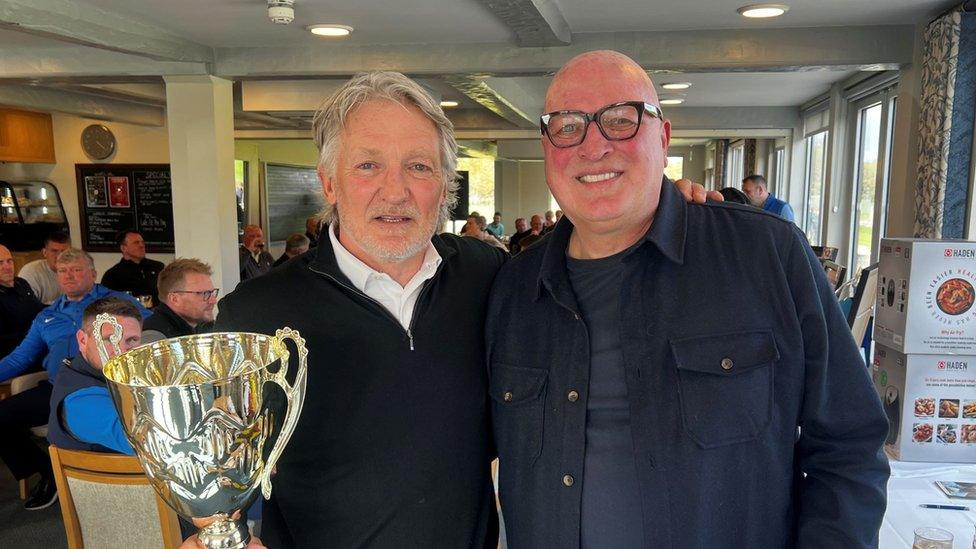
749	157
946	125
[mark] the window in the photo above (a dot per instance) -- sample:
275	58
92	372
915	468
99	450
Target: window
735	165
873	129
780	180
240	184
675	168
816	170
481	188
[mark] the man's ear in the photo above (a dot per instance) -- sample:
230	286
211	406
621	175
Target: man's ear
328	184
665	136
82	339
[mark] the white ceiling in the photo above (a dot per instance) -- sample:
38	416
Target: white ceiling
228	23
656	15
736	89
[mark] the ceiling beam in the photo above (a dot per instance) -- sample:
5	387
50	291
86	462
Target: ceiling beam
479	91
84	64
536	23
82	23
40	98
793	49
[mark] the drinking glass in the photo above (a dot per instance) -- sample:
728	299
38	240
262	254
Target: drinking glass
932	538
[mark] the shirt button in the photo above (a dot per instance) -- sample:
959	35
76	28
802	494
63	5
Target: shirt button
576	316
568	480
573	396
508	396
727	363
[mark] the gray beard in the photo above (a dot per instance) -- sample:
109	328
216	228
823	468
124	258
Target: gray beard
384	253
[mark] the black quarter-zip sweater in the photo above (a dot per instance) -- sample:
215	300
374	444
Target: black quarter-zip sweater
393	447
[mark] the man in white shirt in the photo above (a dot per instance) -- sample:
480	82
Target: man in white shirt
42	274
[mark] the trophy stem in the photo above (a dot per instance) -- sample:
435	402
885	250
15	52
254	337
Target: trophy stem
225	533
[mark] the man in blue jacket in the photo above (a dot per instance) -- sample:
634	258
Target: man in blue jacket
756	188
83	416
50	341
638	403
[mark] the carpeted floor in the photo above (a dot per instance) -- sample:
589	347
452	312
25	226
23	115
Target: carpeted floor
28	529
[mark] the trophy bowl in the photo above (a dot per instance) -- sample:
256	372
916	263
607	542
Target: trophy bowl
208	416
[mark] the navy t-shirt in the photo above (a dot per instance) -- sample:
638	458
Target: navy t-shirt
611	505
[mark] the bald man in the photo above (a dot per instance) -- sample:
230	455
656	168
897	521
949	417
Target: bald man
638	403
254	257
18	304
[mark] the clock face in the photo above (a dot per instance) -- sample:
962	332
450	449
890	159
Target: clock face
98	142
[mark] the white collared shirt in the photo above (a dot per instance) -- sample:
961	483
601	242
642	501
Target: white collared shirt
398	300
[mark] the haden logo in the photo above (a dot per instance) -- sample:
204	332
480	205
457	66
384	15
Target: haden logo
965	253
942	365
948	252
959	365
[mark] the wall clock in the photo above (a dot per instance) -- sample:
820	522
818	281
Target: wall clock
97	142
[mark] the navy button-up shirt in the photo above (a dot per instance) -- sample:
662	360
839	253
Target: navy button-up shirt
754	420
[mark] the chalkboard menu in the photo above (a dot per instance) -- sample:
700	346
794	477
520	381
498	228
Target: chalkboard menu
114	197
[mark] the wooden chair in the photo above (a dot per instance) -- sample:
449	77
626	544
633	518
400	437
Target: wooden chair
107	503
20	384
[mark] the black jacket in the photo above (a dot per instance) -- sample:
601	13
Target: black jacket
731	338
165	321
393	446
135	278
18	307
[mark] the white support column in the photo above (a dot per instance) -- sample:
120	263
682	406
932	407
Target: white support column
200	118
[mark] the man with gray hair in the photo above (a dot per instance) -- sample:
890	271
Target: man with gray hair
51	342
295	245
393	447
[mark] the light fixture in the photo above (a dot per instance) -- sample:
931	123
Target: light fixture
448	103
763	10
676	85
330	30
672	101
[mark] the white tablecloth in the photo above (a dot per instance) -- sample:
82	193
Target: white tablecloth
912	484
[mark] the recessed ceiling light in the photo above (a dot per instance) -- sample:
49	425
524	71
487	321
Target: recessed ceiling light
676	85
330	30
763	10
449	103
675	101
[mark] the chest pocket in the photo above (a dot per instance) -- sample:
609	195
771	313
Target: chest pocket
518	399
725	384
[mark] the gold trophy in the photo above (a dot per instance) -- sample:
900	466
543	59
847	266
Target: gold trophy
208	416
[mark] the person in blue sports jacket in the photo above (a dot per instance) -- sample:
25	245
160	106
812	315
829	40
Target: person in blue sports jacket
50	341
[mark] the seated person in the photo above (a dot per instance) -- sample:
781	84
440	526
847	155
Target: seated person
134	273
254	259
476	228
42	274
18	304
295	245
83	416
187	298
51	342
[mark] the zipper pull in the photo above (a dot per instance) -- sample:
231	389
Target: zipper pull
410	335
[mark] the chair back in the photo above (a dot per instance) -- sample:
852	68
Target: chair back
107	502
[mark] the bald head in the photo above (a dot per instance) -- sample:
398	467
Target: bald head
6	267
605	69
607	181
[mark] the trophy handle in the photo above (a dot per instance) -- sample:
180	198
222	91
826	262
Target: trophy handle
101	320
295	394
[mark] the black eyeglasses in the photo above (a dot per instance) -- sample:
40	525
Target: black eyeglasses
617	122
205	294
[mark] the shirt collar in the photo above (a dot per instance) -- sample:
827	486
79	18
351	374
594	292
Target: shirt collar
62	301
360	273
667	233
